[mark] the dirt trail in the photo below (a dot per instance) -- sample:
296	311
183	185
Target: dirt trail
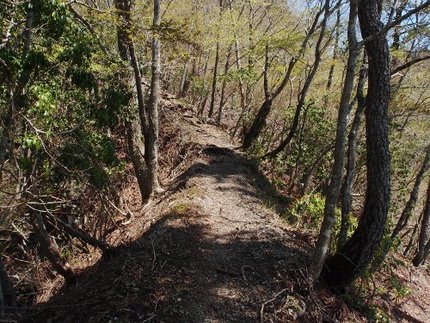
209	250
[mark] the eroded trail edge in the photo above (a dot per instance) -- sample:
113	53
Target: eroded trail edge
211	249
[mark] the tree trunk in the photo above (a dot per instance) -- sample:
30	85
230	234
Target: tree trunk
223	98
308	81
214	82
151	136
258	123
424	232
78	233
351	260
204	99
15	92
7	291
412	237
410	205
184	81
260	119
346	190
397	30
135	145
136	151
51	250
216	64
333	64
311	171
332	196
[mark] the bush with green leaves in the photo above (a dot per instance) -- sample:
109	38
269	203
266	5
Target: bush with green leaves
307	210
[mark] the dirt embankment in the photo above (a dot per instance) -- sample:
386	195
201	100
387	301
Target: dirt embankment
211	249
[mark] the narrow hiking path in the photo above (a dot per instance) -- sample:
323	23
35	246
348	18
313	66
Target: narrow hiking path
213	248
209	250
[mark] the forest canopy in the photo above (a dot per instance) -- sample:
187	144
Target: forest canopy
329	99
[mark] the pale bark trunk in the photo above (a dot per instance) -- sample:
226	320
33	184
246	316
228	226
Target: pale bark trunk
410	205
134	135
216	64
351	260
151	136
136	151
204	99
424	232
346	191
332	196
214	82
259	121
223	98
397	29
334	58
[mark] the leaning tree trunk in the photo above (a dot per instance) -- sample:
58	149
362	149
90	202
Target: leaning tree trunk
351	260
134	135
319	48
410	205
346	190
51	250
423	240
251	135
332	195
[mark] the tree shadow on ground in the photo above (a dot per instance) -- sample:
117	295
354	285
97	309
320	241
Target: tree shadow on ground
180	271
225	163
174	272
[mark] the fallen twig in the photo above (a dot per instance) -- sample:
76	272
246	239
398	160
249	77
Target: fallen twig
242	270
154	258
270	301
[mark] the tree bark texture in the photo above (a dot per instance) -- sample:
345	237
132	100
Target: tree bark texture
423	241
410	205
346	190
151	136
351	260
332	196
134	135
334	57
51	250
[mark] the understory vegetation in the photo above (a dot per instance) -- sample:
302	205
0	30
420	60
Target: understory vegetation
329	99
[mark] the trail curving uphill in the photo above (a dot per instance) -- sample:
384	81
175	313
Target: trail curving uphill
212	248
209	250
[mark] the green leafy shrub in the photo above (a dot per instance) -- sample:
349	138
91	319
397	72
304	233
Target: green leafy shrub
307	210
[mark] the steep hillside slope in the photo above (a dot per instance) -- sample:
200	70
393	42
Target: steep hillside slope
211	249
